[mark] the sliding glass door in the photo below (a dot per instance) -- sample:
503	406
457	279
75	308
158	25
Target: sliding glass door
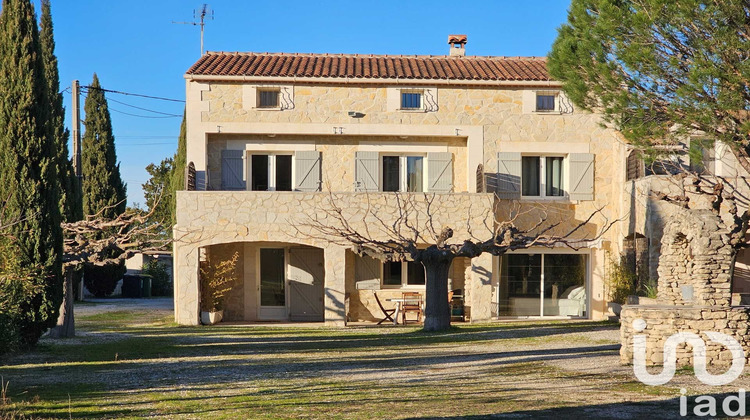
550	284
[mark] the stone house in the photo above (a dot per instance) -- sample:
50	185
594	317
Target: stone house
273	137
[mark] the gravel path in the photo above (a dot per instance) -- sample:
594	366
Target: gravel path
94	306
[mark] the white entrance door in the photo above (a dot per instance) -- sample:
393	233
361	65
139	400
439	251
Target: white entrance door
272	285
306	276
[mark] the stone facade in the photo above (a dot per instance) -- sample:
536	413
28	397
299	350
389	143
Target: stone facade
245	221
472	122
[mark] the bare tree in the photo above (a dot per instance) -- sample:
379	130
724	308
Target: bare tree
413	236
97	240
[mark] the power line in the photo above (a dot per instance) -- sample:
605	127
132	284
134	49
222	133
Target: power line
133	94
144	109
145	116
143	144
146	137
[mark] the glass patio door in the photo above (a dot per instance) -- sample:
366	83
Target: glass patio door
272	284
547	284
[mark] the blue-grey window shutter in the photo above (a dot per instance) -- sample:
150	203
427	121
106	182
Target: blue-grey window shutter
581	176
366	171
231	170
509	175
440	172
307	170
366	273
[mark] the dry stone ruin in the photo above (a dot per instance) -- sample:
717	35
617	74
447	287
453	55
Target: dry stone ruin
694	292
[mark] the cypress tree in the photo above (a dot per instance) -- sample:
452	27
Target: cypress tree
70	194
28	173
178	170
103	189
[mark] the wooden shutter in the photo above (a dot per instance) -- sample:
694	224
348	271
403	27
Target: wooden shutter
307	170
367	273
231	170
581	176
509	175
440	172
366	171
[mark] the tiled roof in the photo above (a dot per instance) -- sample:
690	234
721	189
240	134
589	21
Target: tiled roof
372	66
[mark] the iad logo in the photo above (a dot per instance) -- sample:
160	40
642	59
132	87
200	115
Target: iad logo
699	357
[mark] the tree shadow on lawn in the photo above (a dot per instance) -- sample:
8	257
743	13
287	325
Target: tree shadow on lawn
319	396
153	357
653	410
259	340
145	343
129	376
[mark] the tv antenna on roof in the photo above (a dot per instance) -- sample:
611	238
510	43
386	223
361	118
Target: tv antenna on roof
204	13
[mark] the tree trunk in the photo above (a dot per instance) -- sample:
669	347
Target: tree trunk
65	327
437	312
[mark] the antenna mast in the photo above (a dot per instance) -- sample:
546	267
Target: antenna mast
204	13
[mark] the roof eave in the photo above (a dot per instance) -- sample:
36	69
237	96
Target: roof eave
374	81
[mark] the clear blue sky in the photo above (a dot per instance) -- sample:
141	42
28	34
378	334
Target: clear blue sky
134	47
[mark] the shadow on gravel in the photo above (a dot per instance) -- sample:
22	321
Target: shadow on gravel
652	410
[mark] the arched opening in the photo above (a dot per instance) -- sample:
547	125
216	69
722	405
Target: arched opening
276	281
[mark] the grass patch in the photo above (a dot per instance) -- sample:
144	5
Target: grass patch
131	364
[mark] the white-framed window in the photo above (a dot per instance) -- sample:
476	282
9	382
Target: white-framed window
408	274
542	176
404	173
412	99
270	171
546	101
268	98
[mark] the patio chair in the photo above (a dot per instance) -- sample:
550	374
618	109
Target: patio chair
387	312
412	303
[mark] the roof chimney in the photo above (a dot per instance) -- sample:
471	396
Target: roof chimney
457	43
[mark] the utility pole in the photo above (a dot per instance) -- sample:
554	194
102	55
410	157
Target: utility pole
76	120
204	13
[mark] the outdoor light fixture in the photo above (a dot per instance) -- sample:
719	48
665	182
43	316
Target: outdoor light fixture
356	114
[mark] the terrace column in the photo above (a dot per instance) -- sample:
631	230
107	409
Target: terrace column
186	294
334	287
480	293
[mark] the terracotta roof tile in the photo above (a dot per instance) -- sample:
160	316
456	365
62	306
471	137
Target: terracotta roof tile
372	67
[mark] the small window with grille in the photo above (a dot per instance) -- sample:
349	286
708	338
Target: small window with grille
411	99
268	98
545	101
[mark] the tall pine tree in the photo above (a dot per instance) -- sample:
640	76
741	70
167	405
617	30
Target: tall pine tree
70	194
103	189
28	173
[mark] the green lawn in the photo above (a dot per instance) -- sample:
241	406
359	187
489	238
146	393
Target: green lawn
128	365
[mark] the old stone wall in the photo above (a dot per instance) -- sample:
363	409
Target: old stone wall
696	259
693	291
663	321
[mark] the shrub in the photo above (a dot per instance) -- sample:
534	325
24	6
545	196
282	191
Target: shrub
621	281
217	279
101	280
161	285
18	319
